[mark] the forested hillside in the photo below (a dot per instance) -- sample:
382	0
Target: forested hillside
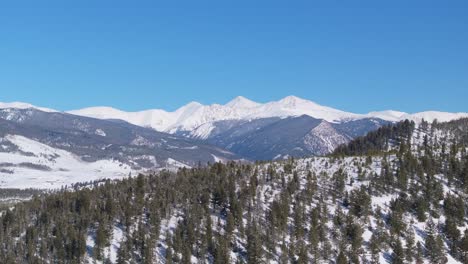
398	195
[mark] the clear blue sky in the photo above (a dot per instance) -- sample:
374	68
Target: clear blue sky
353	55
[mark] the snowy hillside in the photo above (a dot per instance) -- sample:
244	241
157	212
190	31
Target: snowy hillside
31	164
403	204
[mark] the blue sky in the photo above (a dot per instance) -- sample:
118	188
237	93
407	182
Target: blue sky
352	55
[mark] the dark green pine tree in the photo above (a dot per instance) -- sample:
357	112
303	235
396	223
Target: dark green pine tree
464	247
221	255
254	244
122	253
100	241
374	248
303	256
341	259
398	256
410	247
434	244
169	252
452	233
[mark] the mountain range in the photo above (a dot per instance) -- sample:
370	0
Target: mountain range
197	117
35	141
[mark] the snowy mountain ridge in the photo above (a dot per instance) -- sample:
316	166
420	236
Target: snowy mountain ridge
21	105
194	115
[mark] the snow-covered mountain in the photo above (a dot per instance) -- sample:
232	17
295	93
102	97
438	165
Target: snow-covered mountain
278	138
49	149
198	119
20	105
256	131
195	115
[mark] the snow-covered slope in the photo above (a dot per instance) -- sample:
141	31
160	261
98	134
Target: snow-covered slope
432	115
323	139
395	116
389	115
20	105
36	165
195	115
58	148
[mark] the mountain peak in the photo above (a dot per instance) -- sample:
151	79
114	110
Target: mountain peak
21	105
193	104
194	114
242	102
297	102
292	101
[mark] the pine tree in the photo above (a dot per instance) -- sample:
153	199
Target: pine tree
221	255
169	249
341	259
410	247
398	253
464	247
169	255
100	241
374	248
452	233
302	254
284	253
254	245
298	220
419	253
434	244
122	254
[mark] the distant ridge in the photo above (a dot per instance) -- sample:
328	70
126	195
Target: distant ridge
194	115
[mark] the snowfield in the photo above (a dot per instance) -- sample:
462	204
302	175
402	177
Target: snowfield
36	165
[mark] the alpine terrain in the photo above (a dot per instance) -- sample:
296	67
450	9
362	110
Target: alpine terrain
397	195
44	148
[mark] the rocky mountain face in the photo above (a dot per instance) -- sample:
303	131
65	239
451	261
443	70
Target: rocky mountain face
279	138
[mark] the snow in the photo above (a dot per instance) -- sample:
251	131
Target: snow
432	115
193	115
100	132
395	116
117	237
218	159
242	102
20	105
198	119
389	115
203	131
323	168
174	164
324	135
52	168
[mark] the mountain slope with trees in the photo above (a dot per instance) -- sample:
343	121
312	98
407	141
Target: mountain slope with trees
399	198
